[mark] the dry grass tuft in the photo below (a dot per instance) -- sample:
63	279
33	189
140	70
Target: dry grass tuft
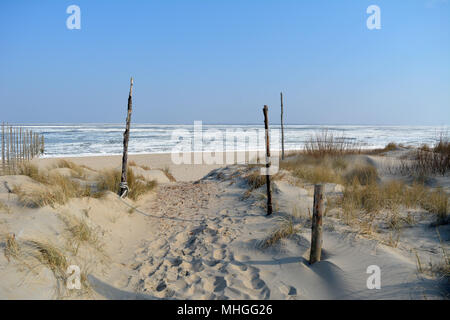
39	198
325	143
255	180
428	160
57	190
169	175
391	146
359	200
318	174
32	171
110	180
52	257
131	163
78	170
364	175
328	169
80	233
4	207
437	202
284	230
12	248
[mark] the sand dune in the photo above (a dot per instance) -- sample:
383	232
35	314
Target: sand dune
200	238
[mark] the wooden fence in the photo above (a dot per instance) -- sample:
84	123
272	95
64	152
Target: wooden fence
18	145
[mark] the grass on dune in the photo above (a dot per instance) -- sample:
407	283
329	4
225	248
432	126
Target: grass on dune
12	248
77	170
364	194
168	174
132	163
57	189
109	180
428	160
328	169
47	255
50	256
4	207
374	198
80	232
285	229
325	143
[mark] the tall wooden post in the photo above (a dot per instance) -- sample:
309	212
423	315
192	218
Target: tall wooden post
42	145
11	148
316	229
21	144
282	128
269	193
123	188
3	148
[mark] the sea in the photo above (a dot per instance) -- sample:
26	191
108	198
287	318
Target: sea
100	139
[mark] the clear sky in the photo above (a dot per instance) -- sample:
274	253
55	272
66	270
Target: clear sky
221	61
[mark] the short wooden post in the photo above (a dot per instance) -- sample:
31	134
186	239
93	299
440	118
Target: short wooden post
282	128
123	188
269	193
316	229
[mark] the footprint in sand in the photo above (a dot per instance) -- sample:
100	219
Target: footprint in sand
219	254
215	284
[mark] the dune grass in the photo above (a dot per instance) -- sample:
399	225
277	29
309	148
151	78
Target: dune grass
359	200
78	171
4	207
57	189
255	180
50	256
427	160
168	174
80	233
132	163
32	171
327	169
12	248
109	180
325	143
363	175
285	229
364	194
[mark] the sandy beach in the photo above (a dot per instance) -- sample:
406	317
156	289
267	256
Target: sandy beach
201	233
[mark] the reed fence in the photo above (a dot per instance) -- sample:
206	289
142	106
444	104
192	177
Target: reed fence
19	145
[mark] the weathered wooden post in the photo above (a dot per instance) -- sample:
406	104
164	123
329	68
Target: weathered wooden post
21	144
17	146
123	188
316	229
42	144
3	148
269	193
11	148
282	128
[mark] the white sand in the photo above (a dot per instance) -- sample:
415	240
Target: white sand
202	240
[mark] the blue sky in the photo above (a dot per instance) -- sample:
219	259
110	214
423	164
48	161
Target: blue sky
221	61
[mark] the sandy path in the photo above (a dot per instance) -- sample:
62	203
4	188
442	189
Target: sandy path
206	246
190	256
